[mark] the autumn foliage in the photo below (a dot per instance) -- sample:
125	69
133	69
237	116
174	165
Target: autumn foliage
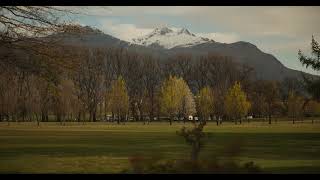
236	103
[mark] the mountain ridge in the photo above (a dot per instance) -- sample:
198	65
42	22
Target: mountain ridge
168	38
266	65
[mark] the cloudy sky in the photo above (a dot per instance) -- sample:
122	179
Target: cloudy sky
280	31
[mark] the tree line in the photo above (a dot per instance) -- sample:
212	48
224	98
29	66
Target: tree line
120	85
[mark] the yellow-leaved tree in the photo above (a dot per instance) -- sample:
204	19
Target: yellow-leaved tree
236	104
176	98
119	99
205	103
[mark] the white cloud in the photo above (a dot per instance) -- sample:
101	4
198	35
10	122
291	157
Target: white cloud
129	31
88	10
291	21
150	10
123	31
252	21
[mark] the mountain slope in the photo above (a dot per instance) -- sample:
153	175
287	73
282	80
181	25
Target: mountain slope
182	41
266	65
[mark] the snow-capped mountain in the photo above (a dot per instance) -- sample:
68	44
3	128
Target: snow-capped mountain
169	38
266	66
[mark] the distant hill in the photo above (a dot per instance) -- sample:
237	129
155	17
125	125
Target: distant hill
266	65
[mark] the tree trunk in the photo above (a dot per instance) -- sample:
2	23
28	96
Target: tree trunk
135	115
58	118
269	118
105	106
8	120
151	115
195	151
37	119
79	117
139	106
83	117
43	118
158	114
100	111
94	115
90	115
293	120
23	117
152	106
217	120
12	117
171	117
134	112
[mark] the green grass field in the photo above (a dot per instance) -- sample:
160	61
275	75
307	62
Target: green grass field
105	147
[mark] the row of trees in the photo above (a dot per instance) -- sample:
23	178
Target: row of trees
128	85
92	89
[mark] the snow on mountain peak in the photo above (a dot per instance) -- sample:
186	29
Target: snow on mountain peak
185	31
170	38
162	30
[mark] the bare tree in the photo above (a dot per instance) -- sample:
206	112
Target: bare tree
8	94
119	99
133	75
270	90
28	29
89	80
180	65
151	82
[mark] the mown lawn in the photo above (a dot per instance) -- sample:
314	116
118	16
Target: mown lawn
105	147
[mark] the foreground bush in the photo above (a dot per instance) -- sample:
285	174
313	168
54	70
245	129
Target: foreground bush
153	165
